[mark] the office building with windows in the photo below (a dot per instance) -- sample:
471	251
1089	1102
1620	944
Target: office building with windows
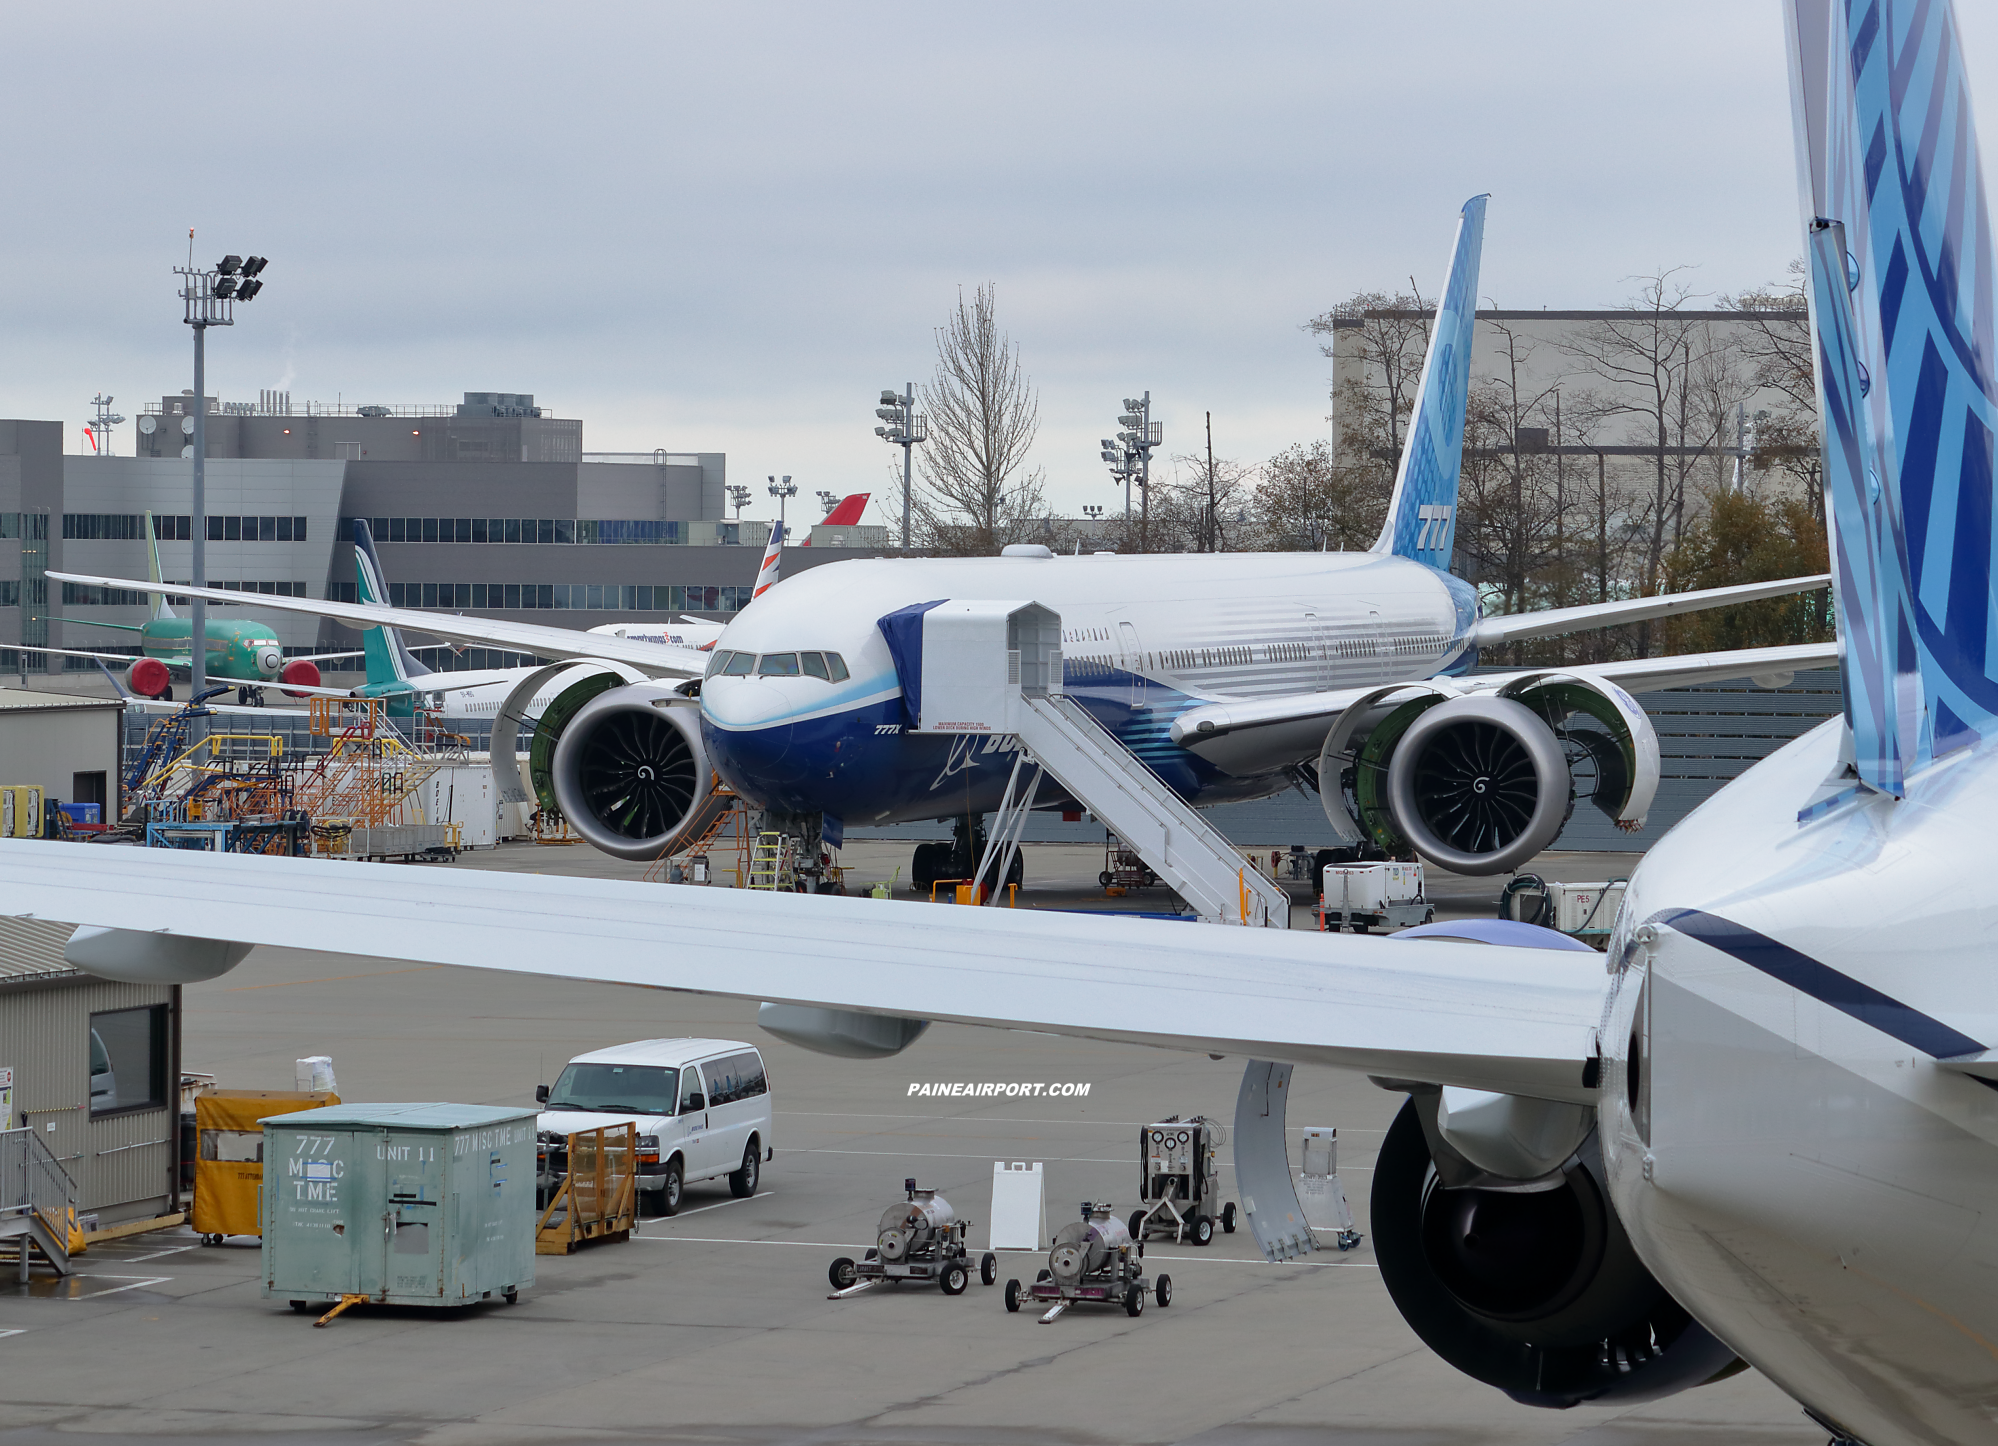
490	507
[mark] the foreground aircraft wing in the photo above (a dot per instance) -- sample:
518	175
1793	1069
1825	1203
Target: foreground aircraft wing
657	660
1633	675
1491	1017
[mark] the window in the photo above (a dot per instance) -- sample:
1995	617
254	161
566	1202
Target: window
128	1060
739	1077
836	668
778	665
717	663
815	665
740	665
635	1089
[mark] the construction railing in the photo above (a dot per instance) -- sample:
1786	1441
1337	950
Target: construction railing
37	1199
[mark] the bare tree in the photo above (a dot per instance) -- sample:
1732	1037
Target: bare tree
984	414
1392	337
1778	353
1647	357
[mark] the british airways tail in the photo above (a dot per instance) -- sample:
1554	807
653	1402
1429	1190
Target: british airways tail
389	661
1422	515
767	575
1886	147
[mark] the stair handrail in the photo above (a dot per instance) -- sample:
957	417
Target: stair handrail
33	1181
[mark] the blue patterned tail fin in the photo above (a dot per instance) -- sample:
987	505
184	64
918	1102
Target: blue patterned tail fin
1422	515
1887	147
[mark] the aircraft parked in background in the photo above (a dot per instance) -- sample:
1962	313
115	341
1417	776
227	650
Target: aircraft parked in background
1232	675
240	650
1760	1131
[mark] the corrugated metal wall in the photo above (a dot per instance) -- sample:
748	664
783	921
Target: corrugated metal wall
122	1163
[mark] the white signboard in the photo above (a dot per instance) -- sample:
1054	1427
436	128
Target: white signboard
6	1098
1019	1207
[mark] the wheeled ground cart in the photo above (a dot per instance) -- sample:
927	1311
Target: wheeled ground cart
1176	1173
920	1239
1373	896
1093	1261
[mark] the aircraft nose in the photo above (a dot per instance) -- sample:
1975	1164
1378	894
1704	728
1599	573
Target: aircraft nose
742	703
269	661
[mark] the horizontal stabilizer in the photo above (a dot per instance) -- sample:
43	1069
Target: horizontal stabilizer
1552	622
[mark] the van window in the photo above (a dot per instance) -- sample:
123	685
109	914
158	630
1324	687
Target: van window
630	1089
739	1077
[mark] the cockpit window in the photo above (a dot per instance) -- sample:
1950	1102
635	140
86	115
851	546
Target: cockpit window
815	665
778	665
739	665
717	663
836	668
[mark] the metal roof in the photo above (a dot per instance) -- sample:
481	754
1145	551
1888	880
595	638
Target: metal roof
423	1115
22	698
33	947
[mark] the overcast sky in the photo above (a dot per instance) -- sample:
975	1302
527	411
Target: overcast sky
727	227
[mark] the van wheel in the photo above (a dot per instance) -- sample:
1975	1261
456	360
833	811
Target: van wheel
675	1188
742	1183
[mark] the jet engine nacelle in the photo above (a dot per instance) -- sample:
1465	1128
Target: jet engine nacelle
1480	782
628	768
301	672
1527	1285
149	678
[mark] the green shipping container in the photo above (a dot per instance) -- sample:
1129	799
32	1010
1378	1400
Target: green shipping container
406	1204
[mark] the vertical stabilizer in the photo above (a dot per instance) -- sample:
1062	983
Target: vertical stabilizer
388	660
1878	663
1422	516
766	575
1887	147
153	573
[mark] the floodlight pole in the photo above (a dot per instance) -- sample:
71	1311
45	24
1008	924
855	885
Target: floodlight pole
908	455
197	634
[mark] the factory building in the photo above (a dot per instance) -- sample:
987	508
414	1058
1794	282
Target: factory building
488	507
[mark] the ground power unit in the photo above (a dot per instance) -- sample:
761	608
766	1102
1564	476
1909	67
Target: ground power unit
1361	897
919	1240
1177	1174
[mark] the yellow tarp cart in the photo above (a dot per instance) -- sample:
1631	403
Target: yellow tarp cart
229	1155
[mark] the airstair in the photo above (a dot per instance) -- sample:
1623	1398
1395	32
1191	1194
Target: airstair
995	667
37	1203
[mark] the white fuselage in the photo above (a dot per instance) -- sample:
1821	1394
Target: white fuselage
1812	1185
1143	639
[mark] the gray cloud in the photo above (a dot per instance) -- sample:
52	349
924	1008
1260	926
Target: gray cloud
728	226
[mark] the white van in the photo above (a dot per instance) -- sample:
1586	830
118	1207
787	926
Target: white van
702	1107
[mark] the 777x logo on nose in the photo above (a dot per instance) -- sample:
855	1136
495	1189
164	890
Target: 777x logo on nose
1433	519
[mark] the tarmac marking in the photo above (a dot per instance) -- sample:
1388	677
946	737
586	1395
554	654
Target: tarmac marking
137	1282
1014	1120
763	1195
983	1155
20	1332
173	1250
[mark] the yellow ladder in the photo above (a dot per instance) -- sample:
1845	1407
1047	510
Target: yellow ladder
766	862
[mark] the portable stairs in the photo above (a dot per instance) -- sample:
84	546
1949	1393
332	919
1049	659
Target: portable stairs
767	864
37	1203
366	773
996	668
